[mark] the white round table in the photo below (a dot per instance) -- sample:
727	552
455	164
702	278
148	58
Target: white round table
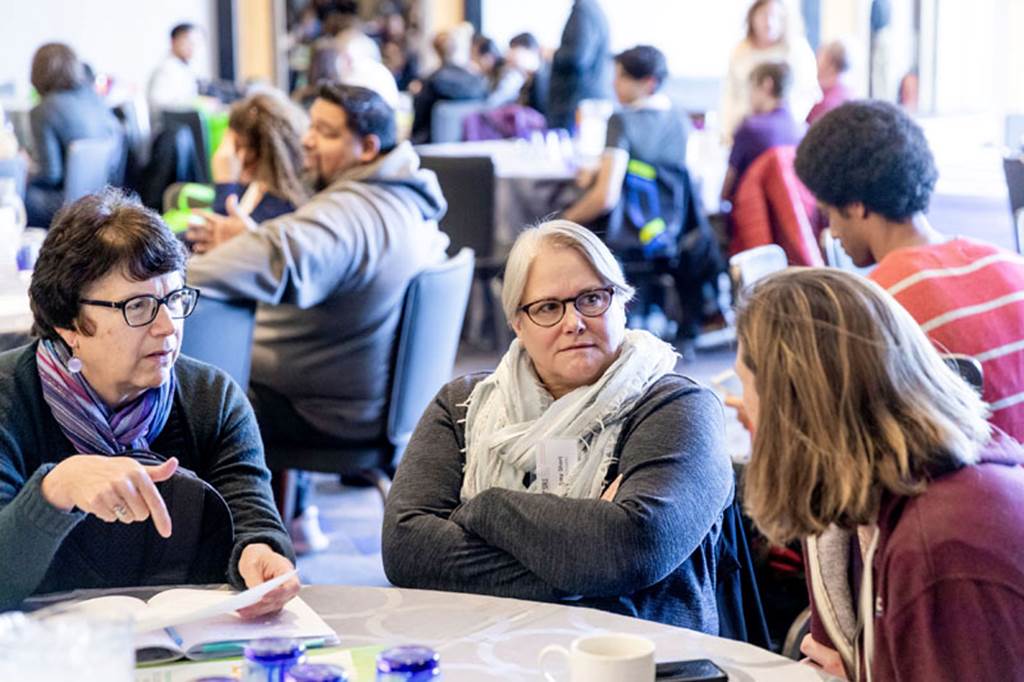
484	639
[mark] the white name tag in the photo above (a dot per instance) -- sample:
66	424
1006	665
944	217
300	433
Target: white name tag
556	458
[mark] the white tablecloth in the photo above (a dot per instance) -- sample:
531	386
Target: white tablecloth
484	639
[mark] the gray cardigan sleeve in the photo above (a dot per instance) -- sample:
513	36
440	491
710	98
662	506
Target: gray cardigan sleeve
422	547
677	479
31	532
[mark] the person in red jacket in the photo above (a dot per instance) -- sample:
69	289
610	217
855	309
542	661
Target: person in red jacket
869	166
869	447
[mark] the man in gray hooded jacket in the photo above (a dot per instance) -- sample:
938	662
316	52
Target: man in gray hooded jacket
330	277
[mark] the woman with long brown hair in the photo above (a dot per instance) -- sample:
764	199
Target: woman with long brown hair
869	447
260	159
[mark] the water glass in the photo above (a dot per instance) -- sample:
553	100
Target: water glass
66	647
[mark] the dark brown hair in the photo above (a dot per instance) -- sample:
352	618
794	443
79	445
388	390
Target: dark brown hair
96	235
271	127
366	112
779	73
55	67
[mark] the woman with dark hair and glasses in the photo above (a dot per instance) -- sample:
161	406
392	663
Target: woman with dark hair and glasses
121	462
583	469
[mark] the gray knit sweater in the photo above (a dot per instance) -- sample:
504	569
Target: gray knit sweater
211	430
650	553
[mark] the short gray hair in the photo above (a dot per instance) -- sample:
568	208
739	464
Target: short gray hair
563	233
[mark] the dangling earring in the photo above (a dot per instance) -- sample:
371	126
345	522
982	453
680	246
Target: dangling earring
74	364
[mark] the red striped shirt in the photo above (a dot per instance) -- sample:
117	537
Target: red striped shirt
968	296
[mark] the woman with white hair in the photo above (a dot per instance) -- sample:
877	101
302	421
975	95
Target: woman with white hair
582	469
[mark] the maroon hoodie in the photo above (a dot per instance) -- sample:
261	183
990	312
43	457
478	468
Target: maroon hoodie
948	577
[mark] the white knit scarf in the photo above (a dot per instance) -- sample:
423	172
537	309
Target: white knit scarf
510	412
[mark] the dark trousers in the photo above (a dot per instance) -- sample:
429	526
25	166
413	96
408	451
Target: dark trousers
281	426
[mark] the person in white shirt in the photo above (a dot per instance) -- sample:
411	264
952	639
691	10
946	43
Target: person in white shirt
774	34
174	85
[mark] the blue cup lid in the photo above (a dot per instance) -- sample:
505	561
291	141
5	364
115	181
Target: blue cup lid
316	672
273	650
407	659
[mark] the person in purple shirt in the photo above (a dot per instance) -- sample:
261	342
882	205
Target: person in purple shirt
876	453
833	64
771	124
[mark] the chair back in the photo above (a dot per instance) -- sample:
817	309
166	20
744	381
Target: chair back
193	120
89	166
751	265
220	333
447	117
1013	167
468	186
17	169
771	205
435	305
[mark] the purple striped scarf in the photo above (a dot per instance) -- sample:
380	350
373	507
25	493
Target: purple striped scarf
86	420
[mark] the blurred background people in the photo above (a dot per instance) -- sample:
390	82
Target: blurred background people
68	110
581	68
258	167
833	65
174	84
770	124
774	34
524	57
453	80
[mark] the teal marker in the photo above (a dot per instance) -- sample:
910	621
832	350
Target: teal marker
238	646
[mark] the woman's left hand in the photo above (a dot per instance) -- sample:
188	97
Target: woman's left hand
258	564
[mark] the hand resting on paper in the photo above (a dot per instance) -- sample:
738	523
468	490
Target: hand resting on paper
258	564
111	488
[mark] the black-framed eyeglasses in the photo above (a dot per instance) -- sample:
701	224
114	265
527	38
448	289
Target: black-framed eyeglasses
139	311
549	311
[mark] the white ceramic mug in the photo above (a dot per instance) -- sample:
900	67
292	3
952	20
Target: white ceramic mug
604	658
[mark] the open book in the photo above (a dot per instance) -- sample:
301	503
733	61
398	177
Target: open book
202	624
